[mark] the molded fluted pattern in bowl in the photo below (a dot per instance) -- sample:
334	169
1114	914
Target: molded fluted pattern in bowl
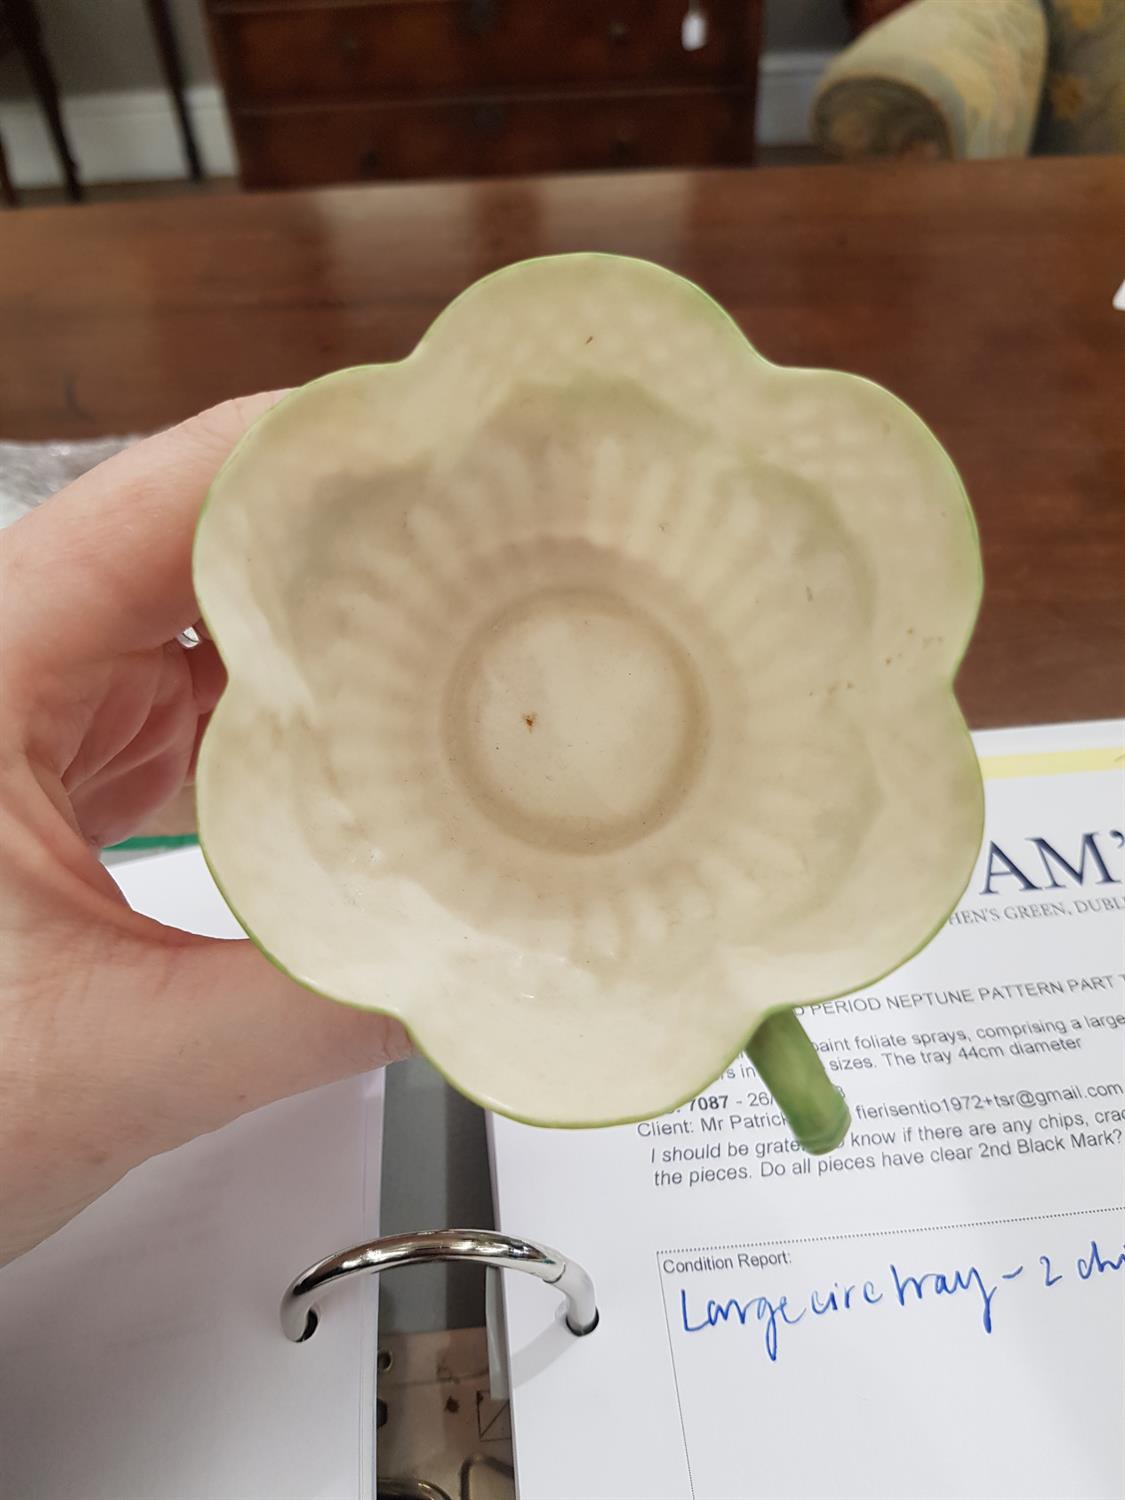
590	688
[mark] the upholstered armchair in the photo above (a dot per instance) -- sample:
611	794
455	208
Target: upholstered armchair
974	78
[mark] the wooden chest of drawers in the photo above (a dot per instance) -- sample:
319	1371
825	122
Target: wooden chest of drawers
343	90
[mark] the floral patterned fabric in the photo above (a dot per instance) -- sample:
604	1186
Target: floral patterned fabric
1084	99
942	78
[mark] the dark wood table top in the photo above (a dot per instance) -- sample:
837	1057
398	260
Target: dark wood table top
980	293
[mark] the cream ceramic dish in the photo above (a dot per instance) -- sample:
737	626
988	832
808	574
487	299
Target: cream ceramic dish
590	695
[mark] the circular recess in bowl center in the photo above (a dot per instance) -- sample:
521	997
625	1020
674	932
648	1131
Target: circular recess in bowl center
576	721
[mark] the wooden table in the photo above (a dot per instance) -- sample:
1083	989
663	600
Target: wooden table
980	293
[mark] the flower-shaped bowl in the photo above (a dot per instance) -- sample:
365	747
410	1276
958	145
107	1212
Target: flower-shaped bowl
590	693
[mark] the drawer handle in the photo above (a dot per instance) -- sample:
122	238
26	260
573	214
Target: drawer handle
618	32
623	146
369	163
489	119
693	32
482	16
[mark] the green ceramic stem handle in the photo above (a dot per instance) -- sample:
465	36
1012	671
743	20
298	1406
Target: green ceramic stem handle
790	1067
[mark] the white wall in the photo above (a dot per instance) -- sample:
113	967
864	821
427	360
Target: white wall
805	25
104	46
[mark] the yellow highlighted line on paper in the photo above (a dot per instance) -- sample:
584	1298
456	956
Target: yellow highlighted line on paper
1052	762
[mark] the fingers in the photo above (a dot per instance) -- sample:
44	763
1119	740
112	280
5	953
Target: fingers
105	567
208	676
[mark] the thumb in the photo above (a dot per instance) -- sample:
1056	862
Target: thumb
228	1032
139	1040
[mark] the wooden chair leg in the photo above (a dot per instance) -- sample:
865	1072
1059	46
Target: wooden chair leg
7	186
174	76
23	25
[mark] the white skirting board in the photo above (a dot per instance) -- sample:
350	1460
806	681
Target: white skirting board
132	136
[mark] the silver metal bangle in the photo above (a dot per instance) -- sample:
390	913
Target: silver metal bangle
300	1305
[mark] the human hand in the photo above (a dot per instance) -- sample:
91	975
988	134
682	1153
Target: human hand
119	1037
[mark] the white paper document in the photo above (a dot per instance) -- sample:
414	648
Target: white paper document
937	1309
141	1357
